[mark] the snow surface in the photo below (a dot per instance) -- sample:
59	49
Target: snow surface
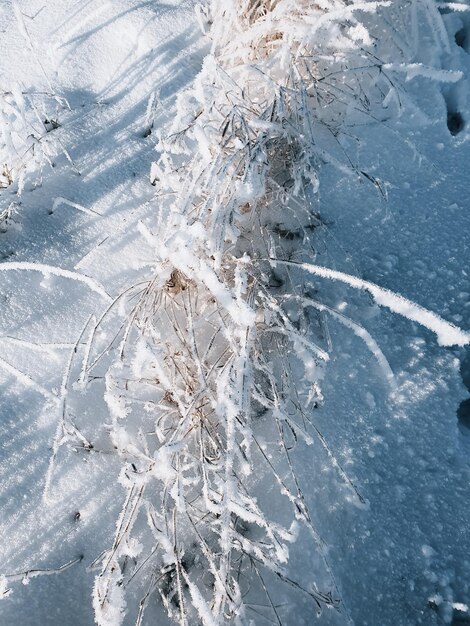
79	238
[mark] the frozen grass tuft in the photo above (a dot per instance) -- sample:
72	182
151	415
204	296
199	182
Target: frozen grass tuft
214	369
219	347
27	140
222	352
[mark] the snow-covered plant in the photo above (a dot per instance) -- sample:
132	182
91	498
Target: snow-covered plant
223	348
213	374
26	119
218	363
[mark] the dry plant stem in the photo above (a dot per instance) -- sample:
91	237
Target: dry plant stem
26	576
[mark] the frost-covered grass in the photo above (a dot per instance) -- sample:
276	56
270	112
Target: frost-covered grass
218	346
26	147
213	360
29	121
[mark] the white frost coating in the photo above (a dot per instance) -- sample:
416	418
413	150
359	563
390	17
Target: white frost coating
21	24
57	271
453	6
108	599
199	603
370	342
188	263
60	200
27	381
4	589
360	332
26	576
418	69
48	348
447	333
86	355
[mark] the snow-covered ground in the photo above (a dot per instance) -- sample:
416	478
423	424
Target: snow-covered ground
404	558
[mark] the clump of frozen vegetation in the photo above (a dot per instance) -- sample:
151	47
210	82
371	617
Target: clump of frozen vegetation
26	119
214	372
222	354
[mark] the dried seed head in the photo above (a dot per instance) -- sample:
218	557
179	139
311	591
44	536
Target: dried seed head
176	283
